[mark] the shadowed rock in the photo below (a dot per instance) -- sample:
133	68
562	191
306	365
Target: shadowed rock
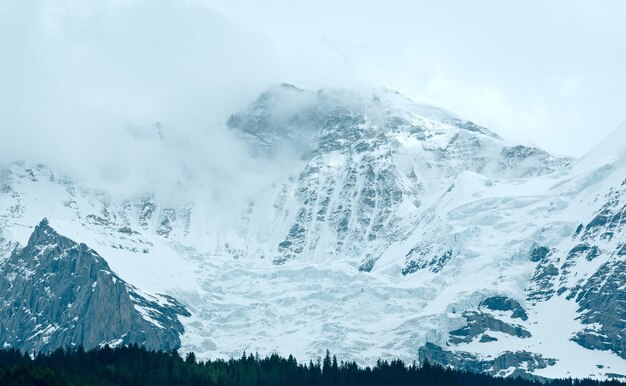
57	293
523	361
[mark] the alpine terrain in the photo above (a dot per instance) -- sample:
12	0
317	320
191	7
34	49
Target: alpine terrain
394	229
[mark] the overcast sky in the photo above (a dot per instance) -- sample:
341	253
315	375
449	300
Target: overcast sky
551	73
75	75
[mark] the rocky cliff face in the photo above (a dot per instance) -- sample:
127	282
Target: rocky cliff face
57	293
592	272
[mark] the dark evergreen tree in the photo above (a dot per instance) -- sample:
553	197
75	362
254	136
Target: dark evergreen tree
135	366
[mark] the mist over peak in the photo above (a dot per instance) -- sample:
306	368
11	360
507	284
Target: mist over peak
251	180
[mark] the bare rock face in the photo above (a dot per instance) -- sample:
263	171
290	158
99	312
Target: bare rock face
57	293
496	366
602	303
478	323
601	297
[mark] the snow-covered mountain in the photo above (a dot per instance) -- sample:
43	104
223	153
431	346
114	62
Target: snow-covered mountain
397	230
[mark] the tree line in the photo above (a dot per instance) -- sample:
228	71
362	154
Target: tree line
134	365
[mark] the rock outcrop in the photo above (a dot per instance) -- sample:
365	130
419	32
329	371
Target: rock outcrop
55	293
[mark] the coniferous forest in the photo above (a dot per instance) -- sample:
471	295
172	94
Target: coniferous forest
135	365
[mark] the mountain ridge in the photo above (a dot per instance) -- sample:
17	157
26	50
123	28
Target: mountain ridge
389	235
57	293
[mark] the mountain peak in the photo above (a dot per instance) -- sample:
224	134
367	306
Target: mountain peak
58	293
394	215
43	234
287	114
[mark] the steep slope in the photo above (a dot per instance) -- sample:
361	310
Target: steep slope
56	293
400	230
368	161
575	297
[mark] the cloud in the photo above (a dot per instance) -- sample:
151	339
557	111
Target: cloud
84	83
556	67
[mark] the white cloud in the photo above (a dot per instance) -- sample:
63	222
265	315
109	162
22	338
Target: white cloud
76	75
83	83
556	67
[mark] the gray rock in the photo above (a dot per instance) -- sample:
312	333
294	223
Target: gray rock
539	254
523	361
478	323
502	303
589	252
602	303
418	258
487	338
542	283
601	297
57	293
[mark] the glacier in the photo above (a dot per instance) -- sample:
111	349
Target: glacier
394	230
